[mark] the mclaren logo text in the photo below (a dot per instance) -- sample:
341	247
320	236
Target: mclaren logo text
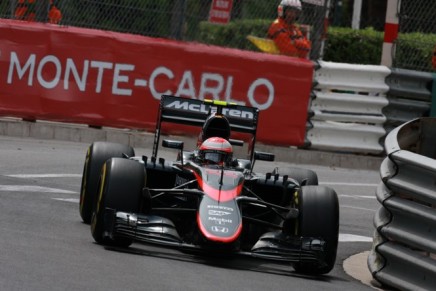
231	112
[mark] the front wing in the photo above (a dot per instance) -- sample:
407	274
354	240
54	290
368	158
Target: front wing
152	229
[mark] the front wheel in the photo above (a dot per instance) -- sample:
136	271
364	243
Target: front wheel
319	218
120	188
98	153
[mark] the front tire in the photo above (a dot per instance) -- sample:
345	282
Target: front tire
98	153
120	188
319	218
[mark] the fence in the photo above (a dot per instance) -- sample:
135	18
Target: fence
185	20
372	14
404	247
417	28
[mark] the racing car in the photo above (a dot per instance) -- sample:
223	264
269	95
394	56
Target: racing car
208	200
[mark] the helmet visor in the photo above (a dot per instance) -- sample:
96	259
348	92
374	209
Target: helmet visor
216	158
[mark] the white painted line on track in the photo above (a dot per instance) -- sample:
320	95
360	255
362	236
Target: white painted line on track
345	237
349	184
72	200
29	176
25	188
358	208
358	196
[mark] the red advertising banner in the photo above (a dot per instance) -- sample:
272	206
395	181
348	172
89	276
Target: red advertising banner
101	78
220	11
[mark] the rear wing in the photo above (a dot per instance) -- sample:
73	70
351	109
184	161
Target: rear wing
194	112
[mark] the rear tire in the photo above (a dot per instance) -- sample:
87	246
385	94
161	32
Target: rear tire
120	188
319	218
98	153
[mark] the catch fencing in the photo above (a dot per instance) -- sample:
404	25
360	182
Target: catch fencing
417	35
187	20
404	247
346	109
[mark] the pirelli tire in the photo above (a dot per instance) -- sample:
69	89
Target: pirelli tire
120	188
301	175
98	153
318	218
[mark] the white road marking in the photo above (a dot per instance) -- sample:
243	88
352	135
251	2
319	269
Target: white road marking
358	208
72	200
349	184
345	237
358	196
25	188
29	176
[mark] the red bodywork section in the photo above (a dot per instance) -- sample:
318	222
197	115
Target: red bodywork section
221	188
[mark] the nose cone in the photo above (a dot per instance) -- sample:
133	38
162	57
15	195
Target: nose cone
219	221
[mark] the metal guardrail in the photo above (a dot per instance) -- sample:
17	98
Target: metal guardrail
346	109
404	248
410	96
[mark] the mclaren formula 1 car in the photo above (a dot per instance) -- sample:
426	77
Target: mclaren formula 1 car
207	200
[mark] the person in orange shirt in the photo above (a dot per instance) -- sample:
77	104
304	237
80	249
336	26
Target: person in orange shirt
26	10
285	32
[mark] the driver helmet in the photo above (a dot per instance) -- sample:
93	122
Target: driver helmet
288	4
215	151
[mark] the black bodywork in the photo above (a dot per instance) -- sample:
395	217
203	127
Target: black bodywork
230	209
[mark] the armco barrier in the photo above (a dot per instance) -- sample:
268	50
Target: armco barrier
102	78
404	247
346	109
410	96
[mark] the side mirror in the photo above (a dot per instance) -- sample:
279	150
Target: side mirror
172	144
262	156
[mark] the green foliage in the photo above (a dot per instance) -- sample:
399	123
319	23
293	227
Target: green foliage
5	9
146	17
346	45
160	18
260	9
343	45
414	51
233	34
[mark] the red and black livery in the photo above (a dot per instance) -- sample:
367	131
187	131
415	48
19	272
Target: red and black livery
282	215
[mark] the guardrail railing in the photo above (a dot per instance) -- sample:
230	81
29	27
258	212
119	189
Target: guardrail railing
346	108
409	96
404	248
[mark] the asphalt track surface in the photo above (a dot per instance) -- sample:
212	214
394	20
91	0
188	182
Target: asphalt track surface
44	245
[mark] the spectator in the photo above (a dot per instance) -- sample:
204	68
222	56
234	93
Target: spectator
26	10
286	33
